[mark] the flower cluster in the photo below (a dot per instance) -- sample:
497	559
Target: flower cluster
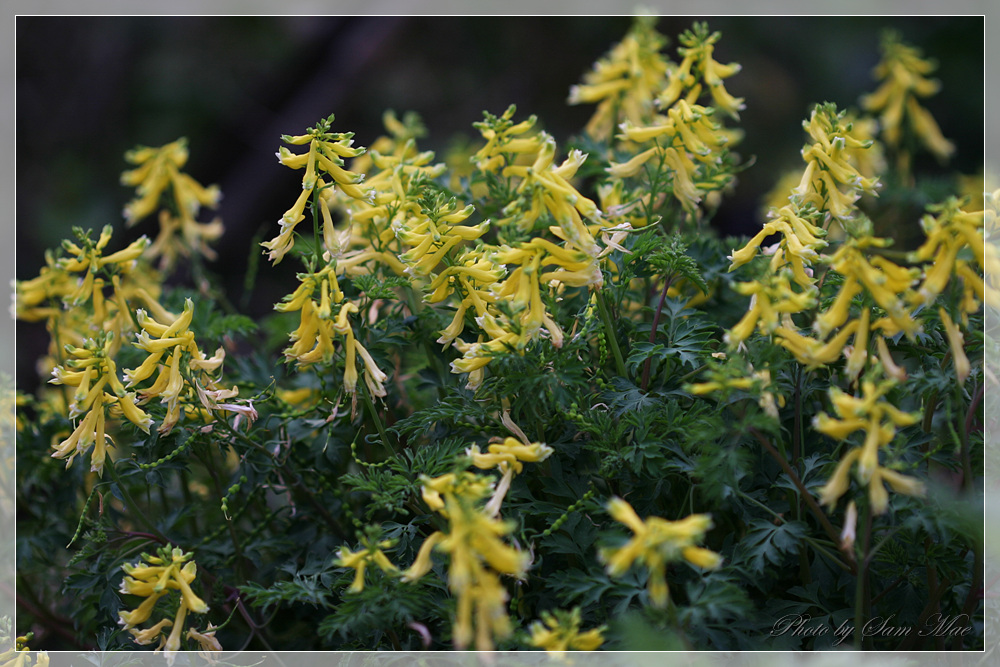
948	233
878	418
770	297
369	553
324	313
159	168
509	458
19	655
559	631
733	377
884	295
91	369
625	83
70	292
325	156
903	72
801	241
183	372
477	557
398	176
657	542
93	300
689	144
699	68
170	570
829	165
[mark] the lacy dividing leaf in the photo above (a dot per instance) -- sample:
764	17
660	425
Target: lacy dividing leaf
768	544
672	259
811	474
305	590
372	610
687	336
582	588
627	397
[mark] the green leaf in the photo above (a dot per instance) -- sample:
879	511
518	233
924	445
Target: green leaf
768	544
671	258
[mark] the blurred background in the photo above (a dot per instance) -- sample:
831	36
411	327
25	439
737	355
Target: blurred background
90	88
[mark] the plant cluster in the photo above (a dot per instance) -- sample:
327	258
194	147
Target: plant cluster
529	398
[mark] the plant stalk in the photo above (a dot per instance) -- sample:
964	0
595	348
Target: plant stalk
609	331
652	332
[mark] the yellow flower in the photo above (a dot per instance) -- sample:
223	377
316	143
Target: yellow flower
881	278
176	342
814	353
625	82
733	377
768	301
878	418
171	569
432	234
477	555
543	186
325	155
903	72
690	139
698	63
503	138
656	543
180	237
371	552
509	457
79	280
828	165
956	342
800	243
158	169
563	633
948	232
97	388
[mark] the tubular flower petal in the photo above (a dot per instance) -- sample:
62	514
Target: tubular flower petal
878	418
956	344
477	555
903	72
325	154
657	542
560	631
624	82
171	569
369	553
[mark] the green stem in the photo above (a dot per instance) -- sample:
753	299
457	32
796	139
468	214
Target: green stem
227	521
831	532
316	203
609	330
862	576
389	448
83	515
652	332
293	476
963	434
819	548
109	465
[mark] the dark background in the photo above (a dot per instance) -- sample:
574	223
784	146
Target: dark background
90	88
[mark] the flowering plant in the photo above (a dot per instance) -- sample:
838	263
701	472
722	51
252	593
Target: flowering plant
529	398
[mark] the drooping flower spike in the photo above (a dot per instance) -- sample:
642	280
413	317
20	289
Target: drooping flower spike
324	157
170	570
657	542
